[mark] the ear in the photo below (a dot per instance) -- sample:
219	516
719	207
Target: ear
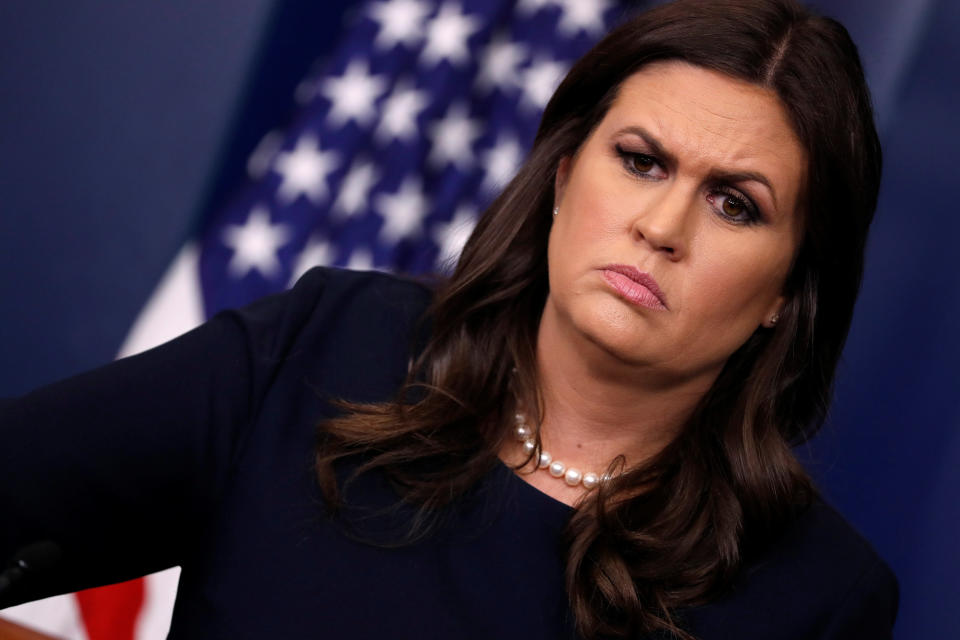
773	312
560	180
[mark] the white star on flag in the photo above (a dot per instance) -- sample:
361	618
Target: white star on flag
447	35
452	138
353	95
530	7
317	252
540	80
451	236
399	21
304	170
355	189
403	211
360	260
261	158
400	111
500	65
501	163
582	15
255	244
306	90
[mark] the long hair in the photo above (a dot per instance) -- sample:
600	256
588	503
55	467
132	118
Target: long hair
673	532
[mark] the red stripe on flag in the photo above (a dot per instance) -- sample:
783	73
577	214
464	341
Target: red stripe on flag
110	613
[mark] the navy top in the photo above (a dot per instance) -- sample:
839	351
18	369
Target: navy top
199	453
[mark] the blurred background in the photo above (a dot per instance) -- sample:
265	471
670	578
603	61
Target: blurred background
159	161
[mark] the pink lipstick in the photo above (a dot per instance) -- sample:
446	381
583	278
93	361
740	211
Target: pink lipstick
635	286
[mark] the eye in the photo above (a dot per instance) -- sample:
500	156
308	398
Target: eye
640	164
734	206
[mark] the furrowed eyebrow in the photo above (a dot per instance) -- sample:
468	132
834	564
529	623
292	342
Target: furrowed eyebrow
721	176
655	147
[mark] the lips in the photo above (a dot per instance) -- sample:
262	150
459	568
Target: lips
635	286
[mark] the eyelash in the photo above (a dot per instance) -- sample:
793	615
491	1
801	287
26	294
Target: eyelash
751	214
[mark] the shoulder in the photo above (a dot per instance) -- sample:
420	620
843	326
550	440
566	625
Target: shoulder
324	289
378	285
350	334
328	302
820	579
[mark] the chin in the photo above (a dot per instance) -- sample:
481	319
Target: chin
616	332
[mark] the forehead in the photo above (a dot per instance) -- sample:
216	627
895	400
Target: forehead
710	121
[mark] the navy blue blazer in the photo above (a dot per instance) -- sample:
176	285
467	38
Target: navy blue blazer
199	453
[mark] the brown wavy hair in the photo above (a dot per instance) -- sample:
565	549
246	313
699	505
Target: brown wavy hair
674	532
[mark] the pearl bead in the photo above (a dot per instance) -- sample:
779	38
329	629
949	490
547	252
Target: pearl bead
590	480
572	477
557	469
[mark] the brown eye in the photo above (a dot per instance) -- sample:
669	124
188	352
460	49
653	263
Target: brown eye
733	207
643	163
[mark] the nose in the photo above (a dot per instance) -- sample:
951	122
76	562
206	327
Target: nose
663	220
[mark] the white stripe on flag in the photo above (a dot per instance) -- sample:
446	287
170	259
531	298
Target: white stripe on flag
58	616
175	307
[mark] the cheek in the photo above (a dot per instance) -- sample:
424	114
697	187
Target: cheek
596	200
580	239
738	287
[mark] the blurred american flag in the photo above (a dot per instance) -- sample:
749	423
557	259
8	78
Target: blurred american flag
425	110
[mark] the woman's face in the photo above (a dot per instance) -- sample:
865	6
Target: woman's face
677	220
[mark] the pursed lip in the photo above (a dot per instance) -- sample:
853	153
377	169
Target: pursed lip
641	278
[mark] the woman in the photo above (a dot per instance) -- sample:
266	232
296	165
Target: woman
640	327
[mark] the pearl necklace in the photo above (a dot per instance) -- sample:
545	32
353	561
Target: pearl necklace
557	469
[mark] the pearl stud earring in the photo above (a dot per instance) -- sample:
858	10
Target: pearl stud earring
556	210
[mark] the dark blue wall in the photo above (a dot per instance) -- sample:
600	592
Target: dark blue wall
890	455
111	118
121	122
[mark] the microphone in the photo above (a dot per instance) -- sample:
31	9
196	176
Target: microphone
38	556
